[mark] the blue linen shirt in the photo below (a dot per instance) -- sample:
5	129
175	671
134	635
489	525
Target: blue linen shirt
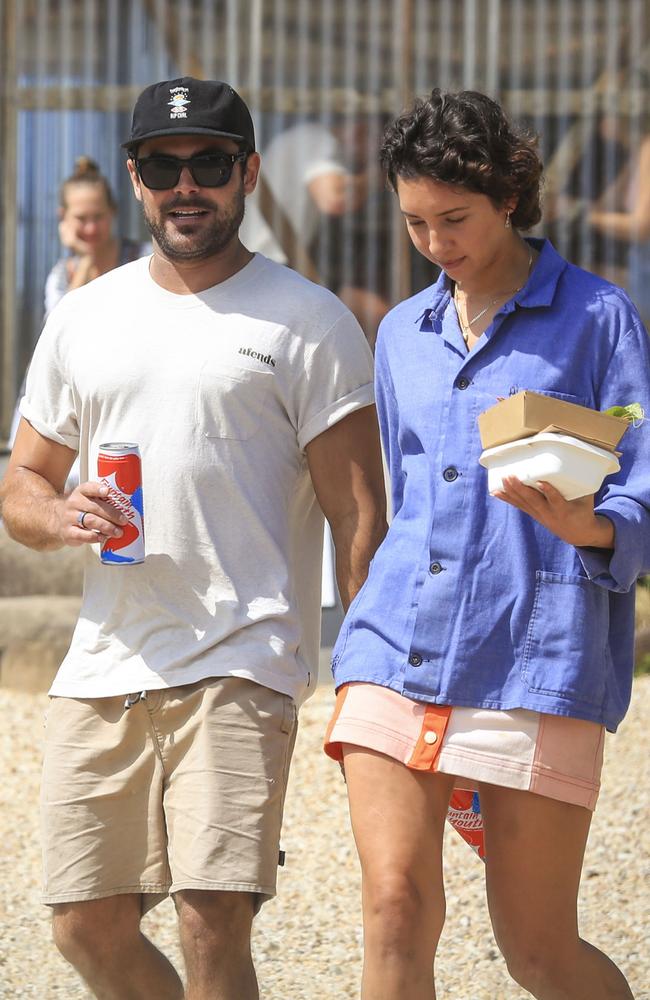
470	601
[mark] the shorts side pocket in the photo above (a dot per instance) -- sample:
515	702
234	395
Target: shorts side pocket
288	714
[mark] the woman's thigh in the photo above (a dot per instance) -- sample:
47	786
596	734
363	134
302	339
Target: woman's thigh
397	814
535	848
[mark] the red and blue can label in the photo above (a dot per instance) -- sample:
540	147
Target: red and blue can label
119	467
464	814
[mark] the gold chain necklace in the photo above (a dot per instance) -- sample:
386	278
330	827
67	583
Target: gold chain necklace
465	327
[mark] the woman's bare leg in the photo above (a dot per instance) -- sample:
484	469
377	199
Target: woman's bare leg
535	848
398	819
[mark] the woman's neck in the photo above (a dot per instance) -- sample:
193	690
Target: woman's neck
507	272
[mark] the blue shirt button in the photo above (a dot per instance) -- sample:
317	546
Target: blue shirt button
450	474
415	660
435	568
463	383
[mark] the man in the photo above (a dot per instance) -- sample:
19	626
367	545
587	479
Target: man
171	726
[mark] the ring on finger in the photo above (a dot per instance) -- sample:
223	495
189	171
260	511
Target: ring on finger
80	518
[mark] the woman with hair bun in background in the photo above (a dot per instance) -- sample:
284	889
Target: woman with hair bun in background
87	209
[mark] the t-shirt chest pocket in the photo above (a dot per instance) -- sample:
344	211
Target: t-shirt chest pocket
231	401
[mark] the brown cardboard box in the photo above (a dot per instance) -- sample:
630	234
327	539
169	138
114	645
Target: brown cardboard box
528	413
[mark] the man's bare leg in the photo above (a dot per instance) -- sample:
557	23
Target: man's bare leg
102	939
215	931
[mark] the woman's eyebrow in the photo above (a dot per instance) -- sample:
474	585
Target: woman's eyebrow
447	211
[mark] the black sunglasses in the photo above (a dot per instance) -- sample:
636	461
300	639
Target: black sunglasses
159	173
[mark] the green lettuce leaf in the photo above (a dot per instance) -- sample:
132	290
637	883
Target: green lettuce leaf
633	412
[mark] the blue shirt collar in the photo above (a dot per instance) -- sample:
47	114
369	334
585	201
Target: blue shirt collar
539	290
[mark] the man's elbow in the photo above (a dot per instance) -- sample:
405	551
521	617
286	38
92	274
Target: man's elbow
379	526
367	526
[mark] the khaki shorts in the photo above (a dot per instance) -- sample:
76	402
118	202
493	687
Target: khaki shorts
184	790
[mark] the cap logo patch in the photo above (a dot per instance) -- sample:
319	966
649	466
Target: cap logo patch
179	102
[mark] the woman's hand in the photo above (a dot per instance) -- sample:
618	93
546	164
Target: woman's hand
574	521
70	238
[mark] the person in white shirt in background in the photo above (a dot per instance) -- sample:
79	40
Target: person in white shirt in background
314	172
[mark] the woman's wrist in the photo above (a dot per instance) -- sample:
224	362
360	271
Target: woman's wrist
602	535
83	271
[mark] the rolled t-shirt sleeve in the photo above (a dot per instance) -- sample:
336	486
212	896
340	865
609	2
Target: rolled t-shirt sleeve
49	403
337	380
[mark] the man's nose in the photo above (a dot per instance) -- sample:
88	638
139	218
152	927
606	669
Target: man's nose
186	181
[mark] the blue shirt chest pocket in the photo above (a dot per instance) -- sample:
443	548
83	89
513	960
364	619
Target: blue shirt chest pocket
566	652
580	399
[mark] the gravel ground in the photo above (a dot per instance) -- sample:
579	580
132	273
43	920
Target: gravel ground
308	941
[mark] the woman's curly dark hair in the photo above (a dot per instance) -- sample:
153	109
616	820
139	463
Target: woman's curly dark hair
466	139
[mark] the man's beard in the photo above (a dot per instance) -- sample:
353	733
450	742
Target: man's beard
209	240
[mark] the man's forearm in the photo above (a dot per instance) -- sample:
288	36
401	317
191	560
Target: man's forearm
356	539
28	504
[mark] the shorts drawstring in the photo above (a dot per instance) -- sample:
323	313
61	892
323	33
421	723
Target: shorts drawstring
133	699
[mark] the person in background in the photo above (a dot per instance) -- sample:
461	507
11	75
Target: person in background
317	173
87	209
491	645
622	213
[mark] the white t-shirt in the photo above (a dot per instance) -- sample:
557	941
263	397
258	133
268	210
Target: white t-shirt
221	391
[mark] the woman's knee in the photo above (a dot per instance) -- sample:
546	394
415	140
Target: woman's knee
405	909
536	965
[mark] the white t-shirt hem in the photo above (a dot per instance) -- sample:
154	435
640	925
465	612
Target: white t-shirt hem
299	692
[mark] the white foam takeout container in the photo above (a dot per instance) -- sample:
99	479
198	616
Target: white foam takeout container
574	467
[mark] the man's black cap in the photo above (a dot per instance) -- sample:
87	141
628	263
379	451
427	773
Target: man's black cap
190	107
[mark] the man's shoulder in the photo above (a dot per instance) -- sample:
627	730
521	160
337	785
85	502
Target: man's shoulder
106	286
294	300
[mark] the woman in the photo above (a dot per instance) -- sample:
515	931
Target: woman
87	210
491	644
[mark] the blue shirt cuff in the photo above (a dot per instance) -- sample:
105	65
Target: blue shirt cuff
619	568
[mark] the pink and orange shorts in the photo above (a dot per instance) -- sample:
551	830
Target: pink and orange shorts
547	754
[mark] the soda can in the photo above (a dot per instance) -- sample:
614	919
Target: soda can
119	467
464	814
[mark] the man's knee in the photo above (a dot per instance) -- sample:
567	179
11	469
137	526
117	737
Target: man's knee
96	929
215	918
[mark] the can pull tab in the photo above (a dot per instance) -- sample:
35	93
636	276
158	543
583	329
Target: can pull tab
133	699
